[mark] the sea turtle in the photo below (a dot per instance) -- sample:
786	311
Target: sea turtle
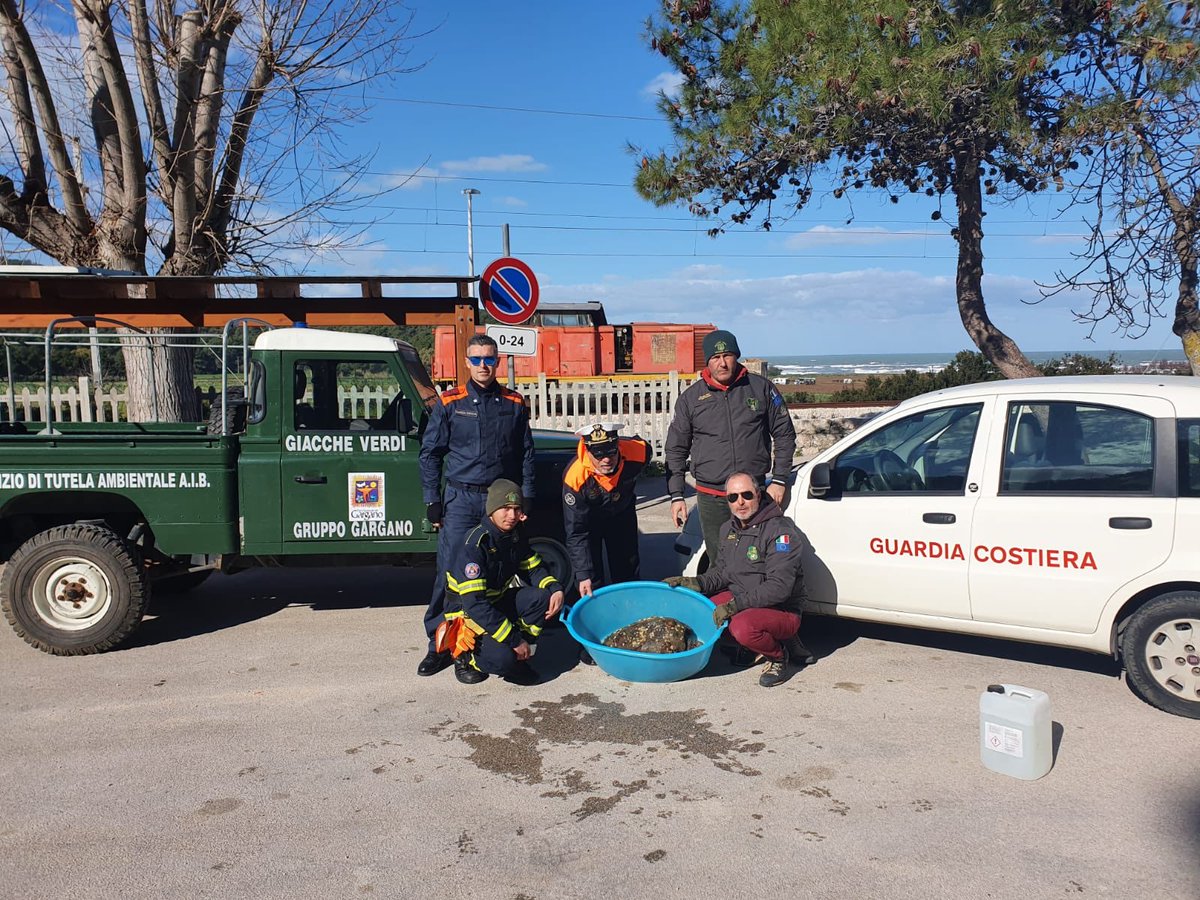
657	634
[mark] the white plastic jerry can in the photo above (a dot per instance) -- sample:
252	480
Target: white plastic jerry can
1015	735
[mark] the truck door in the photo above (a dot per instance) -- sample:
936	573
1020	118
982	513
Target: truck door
892	533
1073	507
350	475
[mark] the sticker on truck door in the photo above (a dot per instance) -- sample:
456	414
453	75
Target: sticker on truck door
367	497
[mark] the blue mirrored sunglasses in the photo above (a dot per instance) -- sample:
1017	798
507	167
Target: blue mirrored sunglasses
482	360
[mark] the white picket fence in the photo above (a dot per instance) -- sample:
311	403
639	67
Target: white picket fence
643	406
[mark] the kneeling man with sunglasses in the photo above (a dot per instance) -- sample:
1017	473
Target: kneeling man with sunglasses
756	581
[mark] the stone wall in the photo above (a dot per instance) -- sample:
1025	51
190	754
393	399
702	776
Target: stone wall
818	427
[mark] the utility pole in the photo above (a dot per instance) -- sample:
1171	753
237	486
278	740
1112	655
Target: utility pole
469	193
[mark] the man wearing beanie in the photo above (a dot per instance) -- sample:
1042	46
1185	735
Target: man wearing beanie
729	420
504	621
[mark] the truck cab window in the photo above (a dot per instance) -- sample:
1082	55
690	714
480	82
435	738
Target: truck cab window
1188	442
345	395
1077	448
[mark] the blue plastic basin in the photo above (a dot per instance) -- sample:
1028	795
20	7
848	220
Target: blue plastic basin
597	616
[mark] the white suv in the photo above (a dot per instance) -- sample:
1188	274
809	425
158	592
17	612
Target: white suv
1059	511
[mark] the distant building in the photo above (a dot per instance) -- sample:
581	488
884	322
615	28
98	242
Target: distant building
756	365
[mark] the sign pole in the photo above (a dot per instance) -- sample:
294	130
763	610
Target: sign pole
512	366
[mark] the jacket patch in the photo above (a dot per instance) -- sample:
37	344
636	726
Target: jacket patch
703	397
466	412
752	554
569	499
471	570
783	544
753	403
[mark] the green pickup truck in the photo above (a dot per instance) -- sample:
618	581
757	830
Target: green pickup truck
297	469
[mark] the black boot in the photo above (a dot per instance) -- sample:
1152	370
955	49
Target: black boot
433	663
522	673
800	655
465	673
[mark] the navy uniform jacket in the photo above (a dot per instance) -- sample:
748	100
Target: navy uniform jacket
726	429
591	500
759	563
482	567
482	434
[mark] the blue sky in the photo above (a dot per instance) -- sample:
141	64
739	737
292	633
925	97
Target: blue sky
534	104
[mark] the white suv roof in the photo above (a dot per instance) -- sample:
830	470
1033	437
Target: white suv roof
321	339
1170	387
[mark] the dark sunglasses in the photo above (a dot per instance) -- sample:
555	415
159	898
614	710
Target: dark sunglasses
745	495
482	360
604	452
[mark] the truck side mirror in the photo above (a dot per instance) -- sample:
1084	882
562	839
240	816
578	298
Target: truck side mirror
819	480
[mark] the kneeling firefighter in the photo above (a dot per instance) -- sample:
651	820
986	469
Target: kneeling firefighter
491	626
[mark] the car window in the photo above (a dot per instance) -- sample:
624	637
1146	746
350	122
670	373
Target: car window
928	451
1189	457
1077	448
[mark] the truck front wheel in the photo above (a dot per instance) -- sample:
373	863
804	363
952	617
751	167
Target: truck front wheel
73	590
1160	647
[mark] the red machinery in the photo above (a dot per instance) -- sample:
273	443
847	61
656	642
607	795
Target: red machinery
595	350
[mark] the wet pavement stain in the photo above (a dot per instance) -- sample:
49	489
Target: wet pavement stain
851	686
593	805
572	782
582	719
466	844
585	719
219	807
654	855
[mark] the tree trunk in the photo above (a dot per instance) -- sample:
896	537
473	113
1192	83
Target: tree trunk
159	377
1187	317
997	347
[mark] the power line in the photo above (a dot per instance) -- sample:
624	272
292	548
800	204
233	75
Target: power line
519	109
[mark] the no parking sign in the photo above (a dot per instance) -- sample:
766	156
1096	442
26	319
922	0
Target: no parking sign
509	290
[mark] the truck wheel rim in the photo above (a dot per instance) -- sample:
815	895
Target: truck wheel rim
72	594
1173	657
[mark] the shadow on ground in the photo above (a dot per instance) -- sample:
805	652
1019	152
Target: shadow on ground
226	601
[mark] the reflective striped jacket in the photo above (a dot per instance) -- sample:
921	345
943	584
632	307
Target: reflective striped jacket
482	567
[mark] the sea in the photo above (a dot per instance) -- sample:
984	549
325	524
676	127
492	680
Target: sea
892	363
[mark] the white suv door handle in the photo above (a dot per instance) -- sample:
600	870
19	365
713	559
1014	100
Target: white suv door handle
1129	523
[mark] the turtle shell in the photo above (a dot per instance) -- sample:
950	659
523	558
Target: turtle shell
656	634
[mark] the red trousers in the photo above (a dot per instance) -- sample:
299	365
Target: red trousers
762	629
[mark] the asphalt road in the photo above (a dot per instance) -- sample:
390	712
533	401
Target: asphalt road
267	736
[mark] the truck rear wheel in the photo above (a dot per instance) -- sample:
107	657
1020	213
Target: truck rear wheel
1161	650
73	590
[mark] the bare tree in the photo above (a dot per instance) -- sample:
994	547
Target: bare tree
219	147
1136	69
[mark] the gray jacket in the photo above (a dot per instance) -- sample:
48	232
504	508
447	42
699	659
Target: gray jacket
729	429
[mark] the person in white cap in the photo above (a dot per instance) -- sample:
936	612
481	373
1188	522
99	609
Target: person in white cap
600	506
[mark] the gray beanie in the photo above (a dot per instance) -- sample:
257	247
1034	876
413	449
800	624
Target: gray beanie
503	493
720	342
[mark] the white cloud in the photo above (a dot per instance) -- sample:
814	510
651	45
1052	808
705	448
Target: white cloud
826	236
507	162
667	83
512	202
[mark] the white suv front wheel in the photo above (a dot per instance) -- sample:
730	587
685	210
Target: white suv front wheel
1161	651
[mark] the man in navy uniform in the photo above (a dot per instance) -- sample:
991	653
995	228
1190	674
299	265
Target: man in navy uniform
505	620
479	432
600	505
